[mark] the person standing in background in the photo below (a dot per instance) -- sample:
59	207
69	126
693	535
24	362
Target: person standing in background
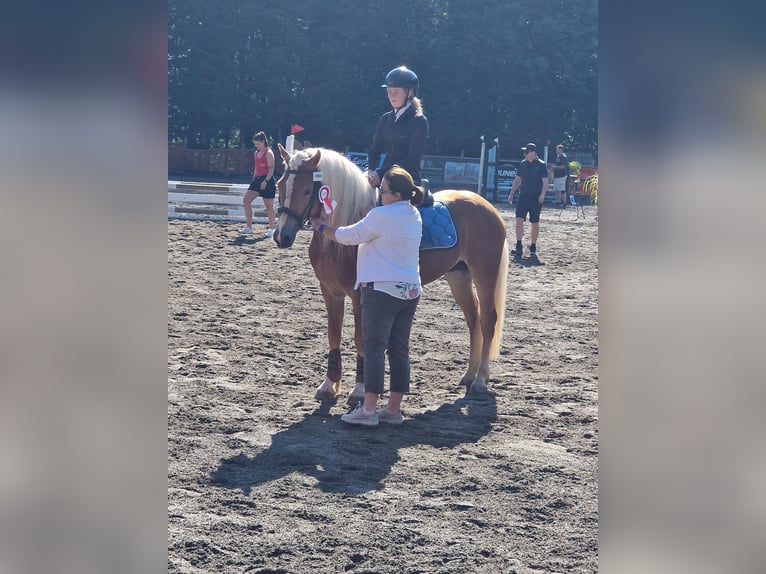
560	173
263	185
532	176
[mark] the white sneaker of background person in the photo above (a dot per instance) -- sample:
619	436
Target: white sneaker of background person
246	230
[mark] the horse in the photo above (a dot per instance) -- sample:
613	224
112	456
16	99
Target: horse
317	179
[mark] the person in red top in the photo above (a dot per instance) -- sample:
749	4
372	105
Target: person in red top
263	184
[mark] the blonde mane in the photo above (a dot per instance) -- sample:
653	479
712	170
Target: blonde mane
348	186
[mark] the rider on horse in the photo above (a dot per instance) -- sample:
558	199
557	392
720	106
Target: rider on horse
402	132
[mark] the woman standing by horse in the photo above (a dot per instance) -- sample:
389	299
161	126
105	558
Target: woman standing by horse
401	133
388	272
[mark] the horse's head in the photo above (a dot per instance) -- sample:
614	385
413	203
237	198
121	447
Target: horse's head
297	194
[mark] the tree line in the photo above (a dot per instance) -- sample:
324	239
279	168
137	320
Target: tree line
519	70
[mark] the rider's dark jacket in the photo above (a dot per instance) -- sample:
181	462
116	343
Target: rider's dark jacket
402	140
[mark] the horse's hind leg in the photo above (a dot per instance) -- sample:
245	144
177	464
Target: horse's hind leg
330	387
490	281
489	317
462	290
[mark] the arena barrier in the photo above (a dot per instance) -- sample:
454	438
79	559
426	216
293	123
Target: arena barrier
194	200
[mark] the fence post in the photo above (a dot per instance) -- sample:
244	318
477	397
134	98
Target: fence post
492	156
481	166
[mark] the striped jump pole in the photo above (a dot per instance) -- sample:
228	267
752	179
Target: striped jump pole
208	186
208	201
206	211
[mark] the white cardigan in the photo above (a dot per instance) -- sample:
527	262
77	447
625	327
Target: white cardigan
389	240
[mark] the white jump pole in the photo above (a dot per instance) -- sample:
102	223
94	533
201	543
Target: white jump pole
209	217
205	211
175	197
194	214
210	206
206	186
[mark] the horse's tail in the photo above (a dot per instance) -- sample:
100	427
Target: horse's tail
500	288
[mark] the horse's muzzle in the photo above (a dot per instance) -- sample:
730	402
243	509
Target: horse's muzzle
283	240
285	236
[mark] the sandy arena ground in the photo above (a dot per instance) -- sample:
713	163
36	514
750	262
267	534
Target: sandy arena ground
264	479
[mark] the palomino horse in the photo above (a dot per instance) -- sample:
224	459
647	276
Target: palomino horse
315	179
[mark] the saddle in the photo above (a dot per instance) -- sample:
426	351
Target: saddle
438	228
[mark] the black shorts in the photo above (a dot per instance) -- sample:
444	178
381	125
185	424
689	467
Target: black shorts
529	204
271	187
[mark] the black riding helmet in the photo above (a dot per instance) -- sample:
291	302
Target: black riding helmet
402	77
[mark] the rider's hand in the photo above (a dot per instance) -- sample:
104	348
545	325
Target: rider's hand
373	178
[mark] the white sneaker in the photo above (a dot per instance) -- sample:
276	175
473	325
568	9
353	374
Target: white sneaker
386	416
359	417
246	230
269	233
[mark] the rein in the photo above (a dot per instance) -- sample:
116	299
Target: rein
302	218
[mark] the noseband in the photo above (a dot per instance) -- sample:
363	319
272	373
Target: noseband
302	218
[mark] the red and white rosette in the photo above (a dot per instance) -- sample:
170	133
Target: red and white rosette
324	198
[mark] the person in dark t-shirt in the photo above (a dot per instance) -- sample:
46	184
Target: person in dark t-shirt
532	177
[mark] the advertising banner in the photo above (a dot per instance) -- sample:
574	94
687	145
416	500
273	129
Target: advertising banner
506	173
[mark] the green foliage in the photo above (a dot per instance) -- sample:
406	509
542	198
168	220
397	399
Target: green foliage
590	186
574	168
521	71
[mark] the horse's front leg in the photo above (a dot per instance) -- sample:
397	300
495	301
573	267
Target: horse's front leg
357	394
330	387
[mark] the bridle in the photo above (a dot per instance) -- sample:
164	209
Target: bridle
302	218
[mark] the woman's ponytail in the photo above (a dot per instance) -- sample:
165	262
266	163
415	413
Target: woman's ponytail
417	195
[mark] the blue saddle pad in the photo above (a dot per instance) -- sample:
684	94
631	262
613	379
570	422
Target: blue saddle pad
438	228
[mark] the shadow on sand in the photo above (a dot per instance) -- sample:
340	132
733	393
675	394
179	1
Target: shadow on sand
249	239
352	459
530	261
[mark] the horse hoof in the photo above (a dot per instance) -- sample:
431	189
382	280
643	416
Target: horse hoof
477	386
356	395
324	396
352	401
328	390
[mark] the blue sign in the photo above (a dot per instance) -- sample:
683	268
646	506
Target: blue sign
360	159
505	176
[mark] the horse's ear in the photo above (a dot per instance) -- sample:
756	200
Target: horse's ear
313	161
283	153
